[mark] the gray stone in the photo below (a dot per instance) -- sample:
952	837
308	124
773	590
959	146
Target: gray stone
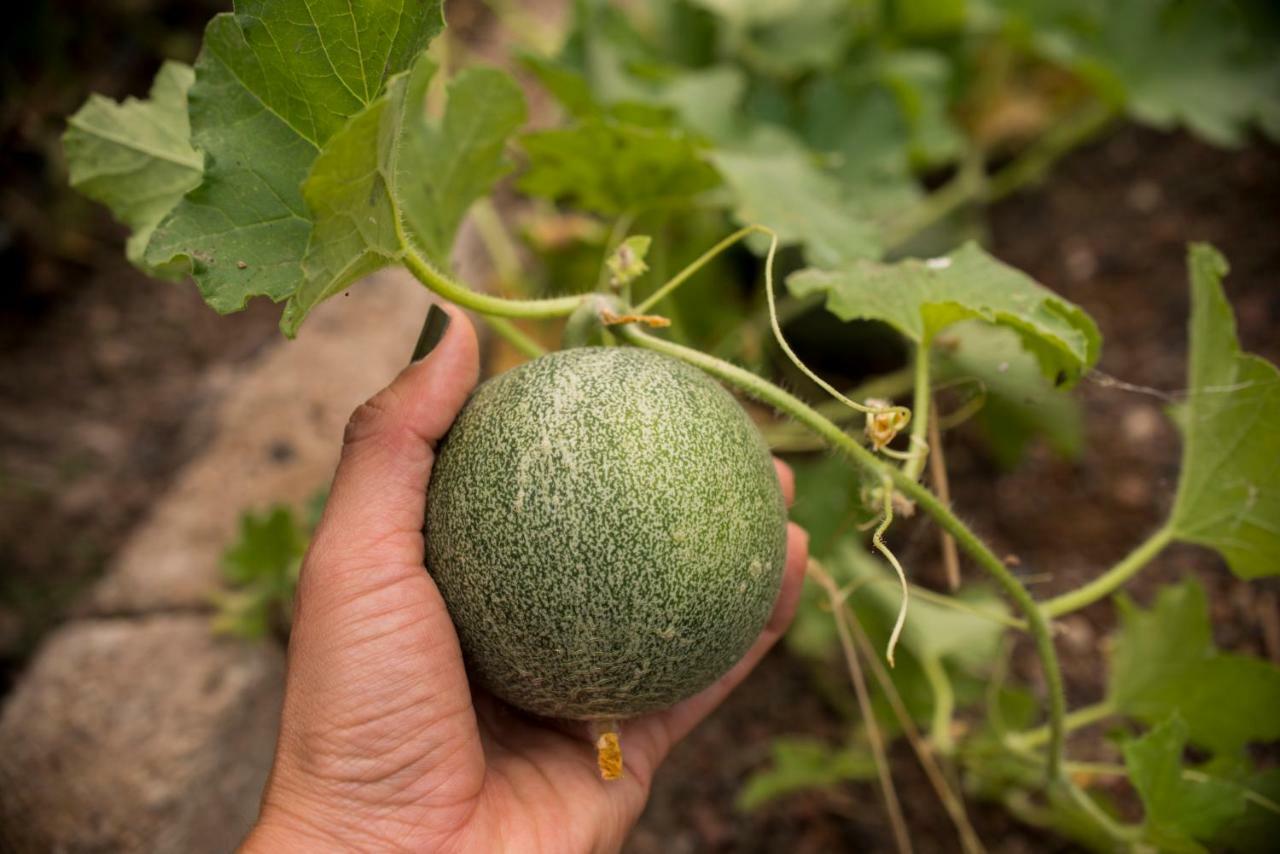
147	734
275	437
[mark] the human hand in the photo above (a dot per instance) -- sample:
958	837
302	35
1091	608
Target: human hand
383	745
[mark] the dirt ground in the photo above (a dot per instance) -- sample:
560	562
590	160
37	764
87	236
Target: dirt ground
103	369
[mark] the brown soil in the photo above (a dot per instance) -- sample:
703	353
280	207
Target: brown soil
102	366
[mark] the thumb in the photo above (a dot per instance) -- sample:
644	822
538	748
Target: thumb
376	688
376	504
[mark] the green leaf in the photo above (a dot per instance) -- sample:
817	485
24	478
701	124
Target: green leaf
268	547
275	80
931	631
1164	662
1255	830
1019	403
921	298
350	194
1177	808
921	81
136	157
1229	492
388	162
443	170
780	186
626	263
1198	64
801	763
608	165
829	503
812	38
929	18
261	568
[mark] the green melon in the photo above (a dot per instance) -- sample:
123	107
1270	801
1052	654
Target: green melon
607	530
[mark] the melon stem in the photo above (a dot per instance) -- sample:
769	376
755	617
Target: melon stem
608	749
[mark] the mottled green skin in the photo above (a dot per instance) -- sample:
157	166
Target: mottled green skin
607	529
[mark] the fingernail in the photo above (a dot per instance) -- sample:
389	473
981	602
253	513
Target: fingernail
433	329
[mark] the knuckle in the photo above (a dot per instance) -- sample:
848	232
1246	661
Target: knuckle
371	417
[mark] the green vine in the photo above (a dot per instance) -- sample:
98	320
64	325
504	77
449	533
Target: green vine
768	393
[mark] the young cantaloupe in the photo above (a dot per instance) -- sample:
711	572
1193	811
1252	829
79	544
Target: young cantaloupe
607	530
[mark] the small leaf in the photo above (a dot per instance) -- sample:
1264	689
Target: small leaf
782	188
1164	662
1177	808
921	298
261	569
268	545
801	763
626	263
1229	492
135	157
609	165
1019	403
273	82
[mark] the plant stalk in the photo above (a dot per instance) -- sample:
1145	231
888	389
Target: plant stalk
919	450
515	336
1078	719
425	272
769	393
1112	579
694	266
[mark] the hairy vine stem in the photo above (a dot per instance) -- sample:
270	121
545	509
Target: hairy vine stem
919	448
1112	579
767	392
425	272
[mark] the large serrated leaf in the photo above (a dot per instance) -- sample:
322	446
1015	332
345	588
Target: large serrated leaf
136	156
1194	64
1229	492
921	298
446	168
274	81
779	186
608	165
389	177
1164	662
1176	809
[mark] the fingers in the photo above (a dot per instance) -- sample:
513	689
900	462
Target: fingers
650	738
375	508
786	479
376	684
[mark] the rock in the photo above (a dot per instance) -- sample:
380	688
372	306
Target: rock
141	734
300	394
